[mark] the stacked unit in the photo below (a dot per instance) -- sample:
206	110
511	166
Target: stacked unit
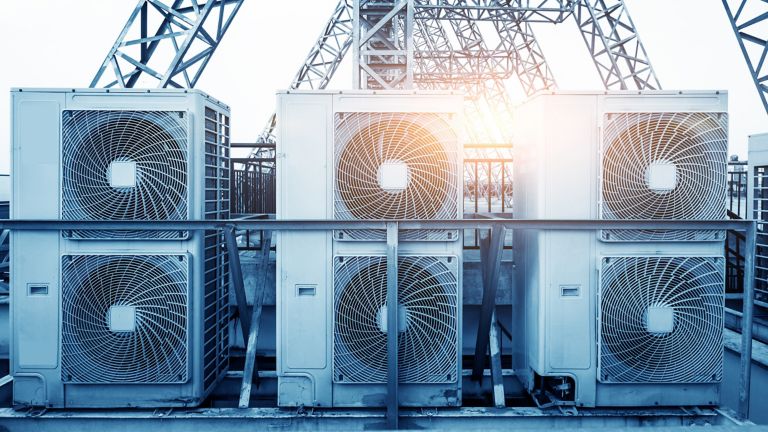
121	318
621	317
359	156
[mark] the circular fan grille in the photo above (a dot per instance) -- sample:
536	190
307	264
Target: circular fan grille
427	310
150	344
395	166
664	166
661	320
152	144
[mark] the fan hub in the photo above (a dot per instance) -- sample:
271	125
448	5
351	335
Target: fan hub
121	318
402	318
122	174
661	176
393	176
659	320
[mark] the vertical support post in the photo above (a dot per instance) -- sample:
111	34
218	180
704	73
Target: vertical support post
409	48
356	30
491	266
392	328
253	334
747	319
236	273
497	378
144	55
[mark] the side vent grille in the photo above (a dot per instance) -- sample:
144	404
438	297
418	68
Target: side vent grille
124	319
216	278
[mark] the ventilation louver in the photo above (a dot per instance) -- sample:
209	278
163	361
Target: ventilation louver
664	166
124	319
124	165
427	319
661	320
396	166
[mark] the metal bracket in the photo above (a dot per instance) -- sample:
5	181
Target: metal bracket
491	248
250	370
236	274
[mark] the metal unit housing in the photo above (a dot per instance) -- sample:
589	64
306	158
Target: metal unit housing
49	363
306	164
557	306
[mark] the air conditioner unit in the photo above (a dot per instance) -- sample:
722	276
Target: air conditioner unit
610	318
118	318
358	156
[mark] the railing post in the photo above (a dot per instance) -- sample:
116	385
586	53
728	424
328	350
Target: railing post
392	328
746	319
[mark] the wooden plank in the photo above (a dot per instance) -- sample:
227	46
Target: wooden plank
236	273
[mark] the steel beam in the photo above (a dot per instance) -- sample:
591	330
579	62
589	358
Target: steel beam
236	275
393	329
250	370
190	30
491	248
749	19
232	419
615	46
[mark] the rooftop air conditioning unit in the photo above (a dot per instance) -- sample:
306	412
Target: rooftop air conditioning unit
621	317
359	156
120	318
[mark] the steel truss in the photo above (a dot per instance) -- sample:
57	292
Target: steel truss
749	19
323	59
615	46
551	11
383	44
187	33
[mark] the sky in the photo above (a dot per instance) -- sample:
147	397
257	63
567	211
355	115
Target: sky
55	43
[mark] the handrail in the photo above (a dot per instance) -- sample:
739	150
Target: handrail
494	223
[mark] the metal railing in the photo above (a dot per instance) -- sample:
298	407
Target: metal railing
491	250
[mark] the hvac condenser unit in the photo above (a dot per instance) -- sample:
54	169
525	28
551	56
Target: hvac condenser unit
358	156
125	317
621	317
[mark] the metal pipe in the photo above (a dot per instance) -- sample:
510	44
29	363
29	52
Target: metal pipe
325	225
747	319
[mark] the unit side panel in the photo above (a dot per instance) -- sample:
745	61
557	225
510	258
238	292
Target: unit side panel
412	103
648	102
305	125
758	157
